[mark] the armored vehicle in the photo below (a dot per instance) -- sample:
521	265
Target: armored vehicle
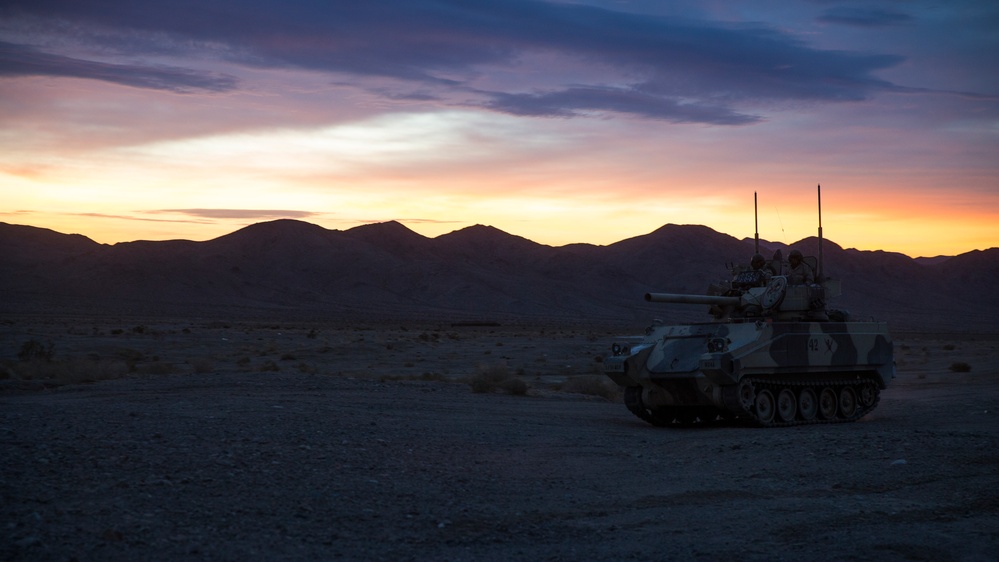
773	355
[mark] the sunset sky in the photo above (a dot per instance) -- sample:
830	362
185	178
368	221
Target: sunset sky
561	121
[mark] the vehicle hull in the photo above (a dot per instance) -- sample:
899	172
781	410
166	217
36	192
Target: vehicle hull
743	369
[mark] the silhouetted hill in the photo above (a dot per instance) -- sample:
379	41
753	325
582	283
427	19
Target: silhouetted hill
936	260
487	244
28	243
391	236
387	271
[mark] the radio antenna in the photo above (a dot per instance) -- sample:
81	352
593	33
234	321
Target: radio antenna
756	220
819	277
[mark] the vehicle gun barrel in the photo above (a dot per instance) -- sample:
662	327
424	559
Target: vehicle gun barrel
692	299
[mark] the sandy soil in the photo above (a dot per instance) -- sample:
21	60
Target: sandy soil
239	440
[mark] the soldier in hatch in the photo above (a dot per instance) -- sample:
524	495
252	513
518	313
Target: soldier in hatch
800	272
760	269
758	275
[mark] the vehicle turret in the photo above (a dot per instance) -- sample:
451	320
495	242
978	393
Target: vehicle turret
777	298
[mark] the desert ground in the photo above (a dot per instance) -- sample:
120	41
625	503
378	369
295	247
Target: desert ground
166	439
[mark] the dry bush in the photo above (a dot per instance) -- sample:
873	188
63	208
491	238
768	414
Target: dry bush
131	357
157	368
425	336
960	367
514	386
68	371
427	376
202	365
491	378
34	350
594	385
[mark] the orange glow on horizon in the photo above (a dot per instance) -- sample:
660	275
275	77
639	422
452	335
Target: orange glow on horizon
440	172
911	229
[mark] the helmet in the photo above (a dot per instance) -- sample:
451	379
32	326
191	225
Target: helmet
758	261
794	256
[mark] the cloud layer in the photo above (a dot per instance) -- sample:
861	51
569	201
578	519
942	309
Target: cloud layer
659	67
23	60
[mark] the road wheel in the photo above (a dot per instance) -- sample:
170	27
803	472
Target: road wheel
765	406
827	404
747	394
868	394
787	405
808	405
847	402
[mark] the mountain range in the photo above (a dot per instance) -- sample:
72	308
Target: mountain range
386	271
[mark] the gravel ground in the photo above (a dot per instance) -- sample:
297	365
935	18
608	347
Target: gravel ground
317	463
242	440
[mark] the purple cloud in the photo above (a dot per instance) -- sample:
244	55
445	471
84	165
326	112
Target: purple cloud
687	70
238	213
22	60
864	17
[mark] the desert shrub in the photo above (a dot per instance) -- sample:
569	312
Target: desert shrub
202	365
960	367
269	366
131	357
34	350
593	385
514	386
949	347
427	376
491	378
157	368
69	371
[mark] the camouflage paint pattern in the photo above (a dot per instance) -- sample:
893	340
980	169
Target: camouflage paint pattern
775	354
692	365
